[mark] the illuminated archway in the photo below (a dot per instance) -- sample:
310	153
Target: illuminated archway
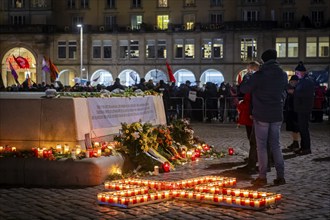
102	77
67	77
212	75
183	75
129	77
22	73
156	75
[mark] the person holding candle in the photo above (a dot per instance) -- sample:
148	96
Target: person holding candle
267	87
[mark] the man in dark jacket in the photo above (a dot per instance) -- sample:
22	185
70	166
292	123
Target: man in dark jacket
303	100
267	87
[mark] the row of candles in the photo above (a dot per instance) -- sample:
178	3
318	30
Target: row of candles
166	185
95	151
4	149
153	197
208	189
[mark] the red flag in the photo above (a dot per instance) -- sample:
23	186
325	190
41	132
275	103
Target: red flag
239	79
170	73
22	62
13	72
53	71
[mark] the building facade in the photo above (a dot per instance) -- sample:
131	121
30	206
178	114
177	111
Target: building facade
202	40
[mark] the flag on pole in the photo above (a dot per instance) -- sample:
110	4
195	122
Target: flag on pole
239	79
170	73
53	71
97	78
22	62
13	72
45	66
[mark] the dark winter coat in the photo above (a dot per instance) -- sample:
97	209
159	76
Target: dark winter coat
267	87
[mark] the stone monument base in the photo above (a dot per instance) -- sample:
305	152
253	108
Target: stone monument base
33	172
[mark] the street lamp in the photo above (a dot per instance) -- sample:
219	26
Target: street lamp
81	51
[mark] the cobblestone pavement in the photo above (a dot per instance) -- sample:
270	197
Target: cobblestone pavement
305	196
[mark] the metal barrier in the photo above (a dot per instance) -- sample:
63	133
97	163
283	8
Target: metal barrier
225	110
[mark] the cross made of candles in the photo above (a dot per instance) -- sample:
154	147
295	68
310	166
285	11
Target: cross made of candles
128	193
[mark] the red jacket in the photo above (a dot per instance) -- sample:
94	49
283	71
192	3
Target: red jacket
244	111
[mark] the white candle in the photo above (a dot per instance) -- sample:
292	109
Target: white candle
156	170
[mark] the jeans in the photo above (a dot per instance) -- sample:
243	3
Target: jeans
269	133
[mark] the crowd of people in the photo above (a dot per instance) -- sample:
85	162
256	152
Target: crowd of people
261	102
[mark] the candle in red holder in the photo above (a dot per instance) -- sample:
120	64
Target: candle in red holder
45	153
230	151
197	152
166	167
35	151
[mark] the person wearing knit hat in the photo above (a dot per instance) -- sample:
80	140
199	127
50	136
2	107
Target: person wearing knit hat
303	100
269	54
300	67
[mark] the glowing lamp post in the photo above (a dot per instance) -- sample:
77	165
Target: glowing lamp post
81	50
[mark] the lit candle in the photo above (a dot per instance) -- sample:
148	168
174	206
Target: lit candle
166	167
66	148
73	154
13	149
78	149
1	149
99	152
230	151
59	148
156	170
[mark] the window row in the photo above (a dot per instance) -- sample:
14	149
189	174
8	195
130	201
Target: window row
287	47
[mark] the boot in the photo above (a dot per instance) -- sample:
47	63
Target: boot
294	145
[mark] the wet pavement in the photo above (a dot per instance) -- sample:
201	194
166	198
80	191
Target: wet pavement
306	195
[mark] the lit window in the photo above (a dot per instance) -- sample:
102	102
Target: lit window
134	49
311	47
189	21
178	48
136	21
162	22
189	49
292	47
281	46
150	49
218	48
123	49
162	3
207	49
248	49
161	49
324	47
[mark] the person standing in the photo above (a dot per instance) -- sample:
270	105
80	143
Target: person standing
267	87
303	100
244	109
291	120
